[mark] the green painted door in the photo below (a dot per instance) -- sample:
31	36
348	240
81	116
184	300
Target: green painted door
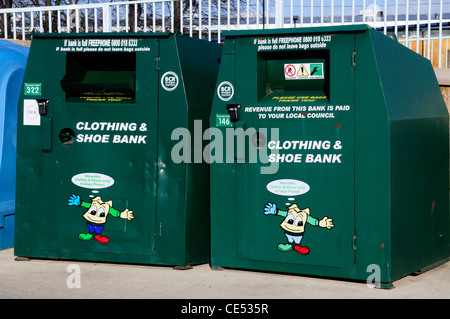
298	207
99	154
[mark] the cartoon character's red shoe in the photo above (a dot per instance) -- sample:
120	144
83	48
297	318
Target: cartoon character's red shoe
302	250
101	239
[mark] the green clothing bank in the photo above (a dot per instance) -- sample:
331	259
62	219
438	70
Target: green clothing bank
344	168
95	177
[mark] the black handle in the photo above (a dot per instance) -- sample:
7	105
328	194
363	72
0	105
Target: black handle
42	103
233	111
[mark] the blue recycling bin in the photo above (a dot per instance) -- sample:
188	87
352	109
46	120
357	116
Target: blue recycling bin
13	59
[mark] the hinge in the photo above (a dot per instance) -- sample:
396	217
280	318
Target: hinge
354	242
353	59
157	63
229	48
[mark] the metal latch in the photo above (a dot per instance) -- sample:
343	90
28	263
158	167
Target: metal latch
233	111
42	103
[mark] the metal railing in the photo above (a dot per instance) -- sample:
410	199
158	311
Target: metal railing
419	24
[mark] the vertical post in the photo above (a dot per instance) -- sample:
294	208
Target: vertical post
181	17
68	21
440	34
5	19
429	57
23	25
154	16
418	27
291	14
375	14
396	18
353	11
127	18
302	13
209	20
106	12
279	18
190	18
218	21
321	12
95	20
59	21
257	14
332	12
163	20
145	18
77	20
238	14
248	14
49	13
407	25
14	26
364	11
86	22
172	16
200	19
136	17
228	15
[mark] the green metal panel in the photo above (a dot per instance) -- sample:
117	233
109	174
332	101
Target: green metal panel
419	158
105	141
379	164
322	177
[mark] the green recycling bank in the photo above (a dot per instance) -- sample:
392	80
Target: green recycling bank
340	166
95	177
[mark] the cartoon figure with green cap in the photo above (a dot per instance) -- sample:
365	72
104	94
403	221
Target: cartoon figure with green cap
293	225
96	214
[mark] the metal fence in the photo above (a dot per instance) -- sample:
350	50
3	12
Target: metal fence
422	25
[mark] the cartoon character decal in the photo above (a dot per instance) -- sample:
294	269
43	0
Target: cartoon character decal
96	215
294	223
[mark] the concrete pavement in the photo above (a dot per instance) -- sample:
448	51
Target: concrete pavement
50	279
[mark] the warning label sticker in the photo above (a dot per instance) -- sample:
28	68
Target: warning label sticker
303	71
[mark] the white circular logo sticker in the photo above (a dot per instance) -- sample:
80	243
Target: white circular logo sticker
169	81
225	91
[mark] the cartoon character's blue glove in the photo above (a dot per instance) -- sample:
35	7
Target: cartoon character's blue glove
270	209
74	200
